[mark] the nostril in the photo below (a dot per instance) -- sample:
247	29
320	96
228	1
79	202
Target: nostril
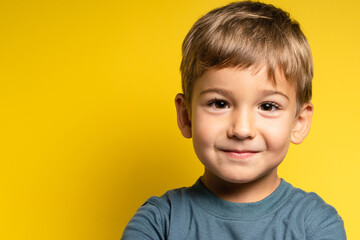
241	133
242	127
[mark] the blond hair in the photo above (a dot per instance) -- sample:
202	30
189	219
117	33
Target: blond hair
245	34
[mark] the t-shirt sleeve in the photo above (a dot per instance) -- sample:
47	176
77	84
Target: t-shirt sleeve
333	229
325	223
149	222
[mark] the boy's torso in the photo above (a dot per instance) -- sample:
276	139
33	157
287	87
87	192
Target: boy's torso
196	213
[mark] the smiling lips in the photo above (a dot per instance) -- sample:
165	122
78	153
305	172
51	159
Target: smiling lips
240	154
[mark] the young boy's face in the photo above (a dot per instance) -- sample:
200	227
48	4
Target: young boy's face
242	123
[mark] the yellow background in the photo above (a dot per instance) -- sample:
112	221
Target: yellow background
87	120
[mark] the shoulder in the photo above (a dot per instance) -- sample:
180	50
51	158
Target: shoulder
161	206
321	220
151	220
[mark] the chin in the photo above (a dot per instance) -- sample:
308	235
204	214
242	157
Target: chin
239	179
242	178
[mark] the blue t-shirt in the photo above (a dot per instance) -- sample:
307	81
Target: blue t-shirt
196	213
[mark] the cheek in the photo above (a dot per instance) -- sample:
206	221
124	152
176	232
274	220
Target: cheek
206	129
201	131
278	135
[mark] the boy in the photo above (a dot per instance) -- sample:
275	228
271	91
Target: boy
246	78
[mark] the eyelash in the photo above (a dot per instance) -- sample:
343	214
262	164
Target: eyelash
272	105
215	104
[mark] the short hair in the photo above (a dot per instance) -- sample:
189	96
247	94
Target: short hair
245	34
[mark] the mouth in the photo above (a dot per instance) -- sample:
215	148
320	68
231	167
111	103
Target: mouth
239	154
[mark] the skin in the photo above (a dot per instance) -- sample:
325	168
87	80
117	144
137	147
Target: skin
242	124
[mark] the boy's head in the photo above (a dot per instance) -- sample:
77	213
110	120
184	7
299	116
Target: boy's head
246	75
245	34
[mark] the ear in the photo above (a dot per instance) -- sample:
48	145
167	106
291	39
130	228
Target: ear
183	119
302	123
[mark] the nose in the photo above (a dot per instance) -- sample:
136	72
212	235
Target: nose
242	125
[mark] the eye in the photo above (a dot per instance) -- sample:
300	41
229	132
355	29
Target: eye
219	104
269	107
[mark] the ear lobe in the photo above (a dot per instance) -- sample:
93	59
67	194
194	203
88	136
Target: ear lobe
183	120
302	124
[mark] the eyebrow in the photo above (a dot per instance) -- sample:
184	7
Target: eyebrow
273	92
227	93
217	90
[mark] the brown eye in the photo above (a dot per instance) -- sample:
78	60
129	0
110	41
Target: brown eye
220	104
269	107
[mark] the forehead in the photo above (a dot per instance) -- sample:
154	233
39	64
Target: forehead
250	80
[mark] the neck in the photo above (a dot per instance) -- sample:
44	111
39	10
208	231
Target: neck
246	192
